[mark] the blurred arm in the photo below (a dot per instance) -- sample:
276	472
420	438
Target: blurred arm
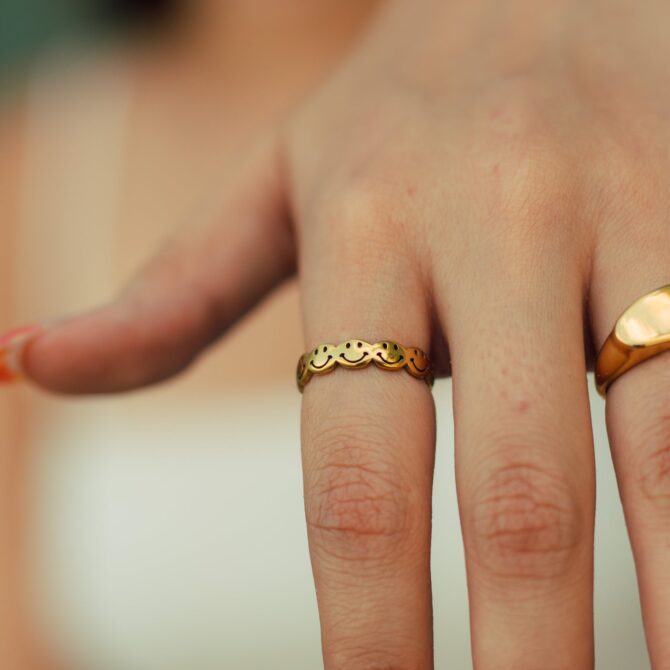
17	649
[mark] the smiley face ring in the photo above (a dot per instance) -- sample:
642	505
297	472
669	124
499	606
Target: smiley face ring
358	354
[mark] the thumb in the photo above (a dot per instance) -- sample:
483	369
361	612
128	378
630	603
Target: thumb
201	282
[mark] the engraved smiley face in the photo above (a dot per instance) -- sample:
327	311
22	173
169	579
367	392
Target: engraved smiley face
321	359
302	374
354	354
418	364
389	354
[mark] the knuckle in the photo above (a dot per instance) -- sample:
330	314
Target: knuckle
518	113
374	657
352	205
352	219
651	465
528	188
358	506
524	165
523	522
527	217
363	200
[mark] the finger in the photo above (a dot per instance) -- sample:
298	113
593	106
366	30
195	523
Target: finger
368	448
524	465
204	279
638	424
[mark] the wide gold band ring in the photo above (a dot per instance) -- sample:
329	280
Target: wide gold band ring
641	332
357	354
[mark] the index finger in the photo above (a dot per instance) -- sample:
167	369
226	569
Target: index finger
368	448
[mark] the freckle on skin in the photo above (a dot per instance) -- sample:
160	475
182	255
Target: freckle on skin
411	190
523	406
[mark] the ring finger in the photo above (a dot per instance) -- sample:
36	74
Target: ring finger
638	424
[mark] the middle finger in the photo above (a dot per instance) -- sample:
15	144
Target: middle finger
524	461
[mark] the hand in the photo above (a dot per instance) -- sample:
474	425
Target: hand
490	173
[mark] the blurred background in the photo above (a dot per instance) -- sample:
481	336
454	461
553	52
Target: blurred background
163	530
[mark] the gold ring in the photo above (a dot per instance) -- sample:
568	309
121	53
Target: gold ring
641	332
357	354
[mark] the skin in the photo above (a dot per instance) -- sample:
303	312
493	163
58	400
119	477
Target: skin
482	176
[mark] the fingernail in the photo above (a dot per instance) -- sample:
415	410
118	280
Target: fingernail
12	344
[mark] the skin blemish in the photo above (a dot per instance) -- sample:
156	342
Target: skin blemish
523	406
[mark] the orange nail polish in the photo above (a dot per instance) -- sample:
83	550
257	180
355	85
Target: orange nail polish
11	346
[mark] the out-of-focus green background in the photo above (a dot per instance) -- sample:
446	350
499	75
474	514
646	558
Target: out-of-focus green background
29	27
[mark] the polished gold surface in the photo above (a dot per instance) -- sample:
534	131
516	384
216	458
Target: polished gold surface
385	354
641	332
